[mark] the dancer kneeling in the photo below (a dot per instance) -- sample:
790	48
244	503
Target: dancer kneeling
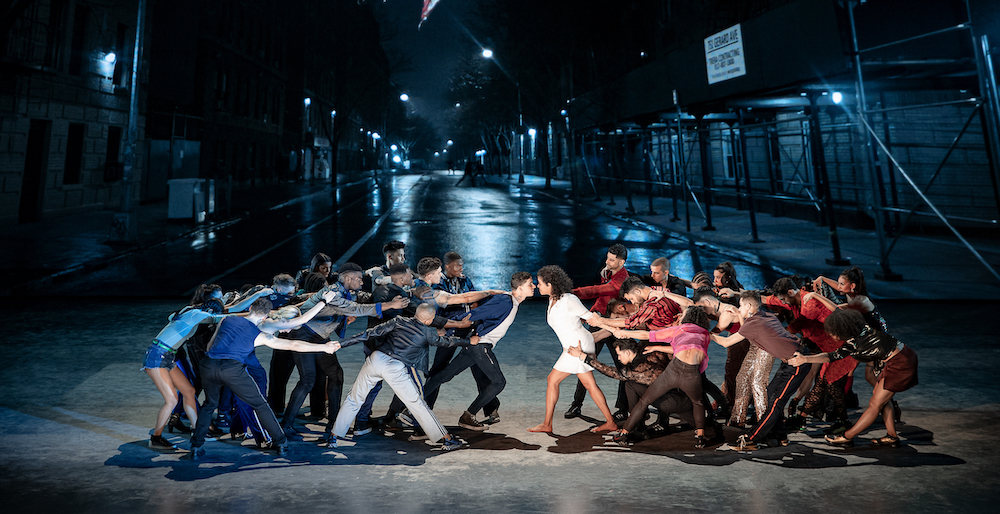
689	346
639	371
895	368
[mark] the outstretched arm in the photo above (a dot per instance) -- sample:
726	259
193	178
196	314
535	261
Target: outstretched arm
272	326
642	335
683	301
658	348
727	341
798	359
444	298
244	304
820	280
294	345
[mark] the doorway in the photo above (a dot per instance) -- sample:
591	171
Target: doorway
36	164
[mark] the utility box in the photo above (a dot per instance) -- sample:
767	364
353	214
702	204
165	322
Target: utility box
186	199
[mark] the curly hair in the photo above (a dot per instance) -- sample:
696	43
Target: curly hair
843	324
427	265
557	278
696	314
519	278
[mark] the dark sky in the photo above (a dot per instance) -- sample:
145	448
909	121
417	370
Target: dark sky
433	52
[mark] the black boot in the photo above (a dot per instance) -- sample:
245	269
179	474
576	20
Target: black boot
175	423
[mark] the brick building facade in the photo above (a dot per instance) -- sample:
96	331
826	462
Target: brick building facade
65	73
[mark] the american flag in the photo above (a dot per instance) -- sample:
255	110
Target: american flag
428	7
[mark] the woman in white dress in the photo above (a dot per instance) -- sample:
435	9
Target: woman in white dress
564	316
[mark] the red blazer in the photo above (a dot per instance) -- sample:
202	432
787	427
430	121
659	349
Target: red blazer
609	288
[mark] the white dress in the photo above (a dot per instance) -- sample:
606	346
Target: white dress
564	317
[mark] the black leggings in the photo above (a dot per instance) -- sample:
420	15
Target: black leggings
678	375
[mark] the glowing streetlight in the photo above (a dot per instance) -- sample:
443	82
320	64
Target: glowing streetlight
394	147
404	97
837	97
487	53
110	57
308	101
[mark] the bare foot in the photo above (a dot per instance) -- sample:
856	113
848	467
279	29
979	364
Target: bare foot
541	428
607	427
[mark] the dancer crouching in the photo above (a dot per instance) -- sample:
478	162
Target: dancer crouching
689	346
895	368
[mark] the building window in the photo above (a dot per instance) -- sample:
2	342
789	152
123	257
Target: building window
78	54
121	46
729	161
74	154
57	15
113	169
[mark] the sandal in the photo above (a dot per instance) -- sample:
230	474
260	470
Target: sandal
887	441
839	440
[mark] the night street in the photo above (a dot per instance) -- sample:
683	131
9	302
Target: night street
816	181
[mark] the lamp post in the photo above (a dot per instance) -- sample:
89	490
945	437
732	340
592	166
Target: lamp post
488	54
306	102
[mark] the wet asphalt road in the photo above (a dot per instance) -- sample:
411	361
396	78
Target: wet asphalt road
498	229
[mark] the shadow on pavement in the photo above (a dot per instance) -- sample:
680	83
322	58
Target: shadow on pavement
228	456
812	453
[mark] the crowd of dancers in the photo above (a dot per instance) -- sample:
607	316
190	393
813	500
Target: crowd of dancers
658	328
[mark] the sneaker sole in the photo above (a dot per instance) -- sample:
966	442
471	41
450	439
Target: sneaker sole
479	428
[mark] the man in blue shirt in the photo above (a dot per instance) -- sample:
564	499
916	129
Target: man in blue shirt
224	365
492	320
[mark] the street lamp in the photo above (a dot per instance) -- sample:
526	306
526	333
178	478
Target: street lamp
488	54
404	97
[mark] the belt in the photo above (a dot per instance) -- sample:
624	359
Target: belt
159	343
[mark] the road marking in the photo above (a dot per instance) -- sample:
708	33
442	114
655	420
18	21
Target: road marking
371	232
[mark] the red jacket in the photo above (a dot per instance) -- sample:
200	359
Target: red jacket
610	287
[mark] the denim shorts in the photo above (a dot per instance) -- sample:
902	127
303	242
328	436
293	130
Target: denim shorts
158	356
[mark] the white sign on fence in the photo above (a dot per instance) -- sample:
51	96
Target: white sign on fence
724	55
